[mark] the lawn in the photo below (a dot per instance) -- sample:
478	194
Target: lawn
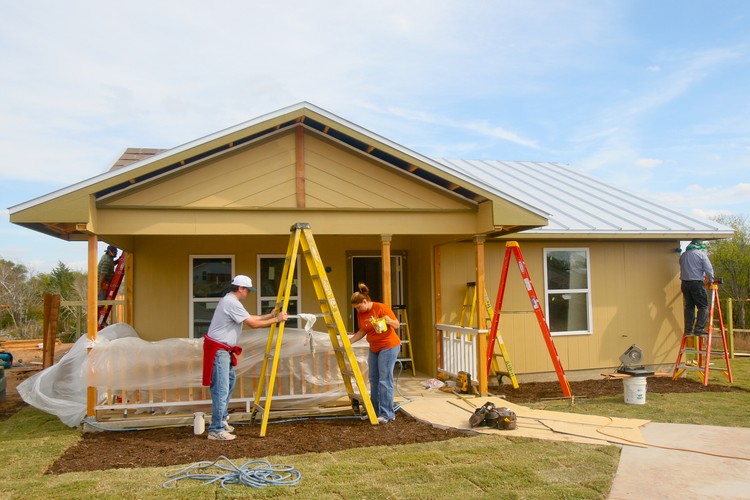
485	466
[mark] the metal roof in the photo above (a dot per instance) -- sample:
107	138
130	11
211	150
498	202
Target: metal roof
578	204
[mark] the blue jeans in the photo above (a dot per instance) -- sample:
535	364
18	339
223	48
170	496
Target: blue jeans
380	366
695	297
222	385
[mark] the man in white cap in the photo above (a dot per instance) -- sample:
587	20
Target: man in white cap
220	351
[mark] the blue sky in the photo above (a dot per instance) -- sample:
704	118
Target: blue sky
650	96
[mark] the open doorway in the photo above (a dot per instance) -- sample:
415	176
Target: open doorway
368	269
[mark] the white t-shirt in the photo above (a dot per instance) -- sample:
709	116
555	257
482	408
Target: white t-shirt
226	325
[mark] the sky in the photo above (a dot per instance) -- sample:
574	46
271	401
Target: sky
650	96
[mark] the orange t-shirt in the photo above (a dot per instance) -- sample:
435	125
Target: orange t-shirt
378	341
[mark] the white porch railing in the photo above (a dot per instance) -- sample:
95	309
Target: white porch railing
458	348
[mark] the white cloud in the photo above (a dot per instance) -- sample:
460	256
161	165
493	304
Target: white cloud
648	162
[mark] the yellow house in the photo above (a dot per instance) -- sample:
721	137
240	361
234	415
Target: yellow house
415	229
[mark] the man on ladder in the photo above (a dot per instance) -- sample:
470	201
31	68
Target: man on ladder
695	268
696	274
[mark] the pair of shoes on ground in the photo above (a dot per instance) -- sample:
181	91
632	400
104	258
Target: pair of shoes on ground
221	435
381	420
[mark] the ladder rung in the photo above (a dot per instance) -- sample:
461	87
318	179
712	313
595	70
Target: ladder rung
347	372
691	368
339	349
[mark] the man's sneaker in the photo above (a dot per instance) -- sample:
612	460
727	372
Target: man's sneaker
383	420
227	427
221	435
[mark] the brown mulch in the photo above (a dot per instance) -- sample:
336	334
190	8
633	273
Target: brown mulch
170	446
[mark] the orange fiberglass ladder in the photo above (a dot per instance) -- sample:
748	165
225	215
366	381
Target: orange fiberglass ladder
512	249
702	345
112	290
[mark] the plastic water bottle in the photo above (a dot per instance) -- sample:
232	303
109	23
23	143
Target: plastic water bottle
199	423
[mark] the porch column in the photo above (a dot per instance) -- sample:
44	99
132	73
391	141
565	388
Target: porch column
481	317
385	257
92	315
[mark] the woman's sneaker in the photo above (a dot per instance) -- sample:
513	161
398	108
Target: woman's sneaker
221	435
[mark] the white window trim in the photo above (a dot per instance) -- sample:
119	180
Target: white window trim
192	300
297	271
587	290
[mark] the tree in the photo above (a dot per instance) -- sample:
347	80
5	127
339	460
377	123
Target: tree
21	290
731	262
68	284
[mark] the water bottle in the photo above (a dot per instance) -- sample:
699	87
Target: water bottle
199	423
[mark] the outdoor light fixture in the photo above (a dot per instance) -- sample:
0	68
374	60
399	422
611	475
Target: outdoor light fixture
630	360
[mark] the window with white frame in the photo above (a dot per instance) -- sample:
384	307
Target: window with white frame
568	290
210	277
270	270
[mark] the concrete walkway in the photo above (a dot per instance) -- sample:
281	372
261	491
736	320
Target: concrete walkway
661	471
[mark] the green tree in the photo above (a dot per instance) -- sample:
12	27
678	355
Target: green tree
731	262
21	291
70	285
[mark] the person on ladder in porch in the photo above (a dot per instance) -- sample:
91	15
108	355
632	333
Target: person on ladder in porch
378	322
220	351
106	270
695	269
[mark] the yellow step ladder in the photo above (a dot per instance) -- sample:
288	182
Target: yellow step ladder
405	355
302	237
470	305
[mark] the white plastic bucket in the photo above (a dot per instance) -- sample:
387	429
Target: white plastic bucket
635	390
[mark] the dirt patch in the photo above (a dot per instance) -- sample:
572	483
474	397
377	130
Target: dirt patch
165	447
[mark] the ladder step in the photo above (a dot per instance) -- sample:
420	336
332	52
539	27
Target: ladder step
693	368
348	373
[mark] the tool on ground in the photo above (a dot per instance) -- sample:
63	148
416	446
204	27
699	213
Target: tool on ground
405	354
112	289
480	413
464	383
470	306
701	344
507	420
512	249
301	238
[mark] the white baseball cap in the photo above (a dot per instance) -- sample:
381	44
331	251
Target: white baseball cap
243	281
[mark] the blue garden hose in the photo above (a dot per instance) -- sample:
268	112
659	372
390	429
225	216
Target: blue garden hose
255	473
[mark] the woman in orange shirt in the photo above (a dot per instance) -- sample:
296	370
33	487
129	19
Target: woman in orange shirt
378	322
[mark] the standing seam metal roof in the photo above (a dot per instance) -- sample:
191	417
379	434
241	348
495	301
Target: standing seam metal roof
578	203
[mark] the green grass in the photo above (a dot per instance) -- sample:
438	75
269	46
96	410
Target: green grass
485	466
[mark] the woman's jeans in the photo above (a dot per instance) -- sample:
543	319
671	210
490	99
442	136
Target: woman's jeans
380	366
222	385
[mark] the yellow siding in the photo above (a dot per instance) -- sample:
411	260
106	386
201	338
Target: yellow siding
264	176
635	300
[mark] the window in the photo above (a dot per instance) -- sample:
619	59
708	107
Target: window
210	277
270	269
568	290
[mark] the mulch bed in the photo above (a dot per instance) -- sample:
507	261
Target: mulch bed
165	447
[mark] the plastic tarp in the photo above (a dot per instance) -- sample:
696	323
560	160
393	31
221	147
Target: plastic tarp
122	363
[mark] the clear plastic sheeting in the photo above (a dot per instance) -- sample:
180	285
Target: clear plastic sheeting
132	372
60	389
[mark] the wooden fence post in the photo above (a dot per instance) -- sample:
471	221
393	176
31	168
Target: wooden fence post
51	315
